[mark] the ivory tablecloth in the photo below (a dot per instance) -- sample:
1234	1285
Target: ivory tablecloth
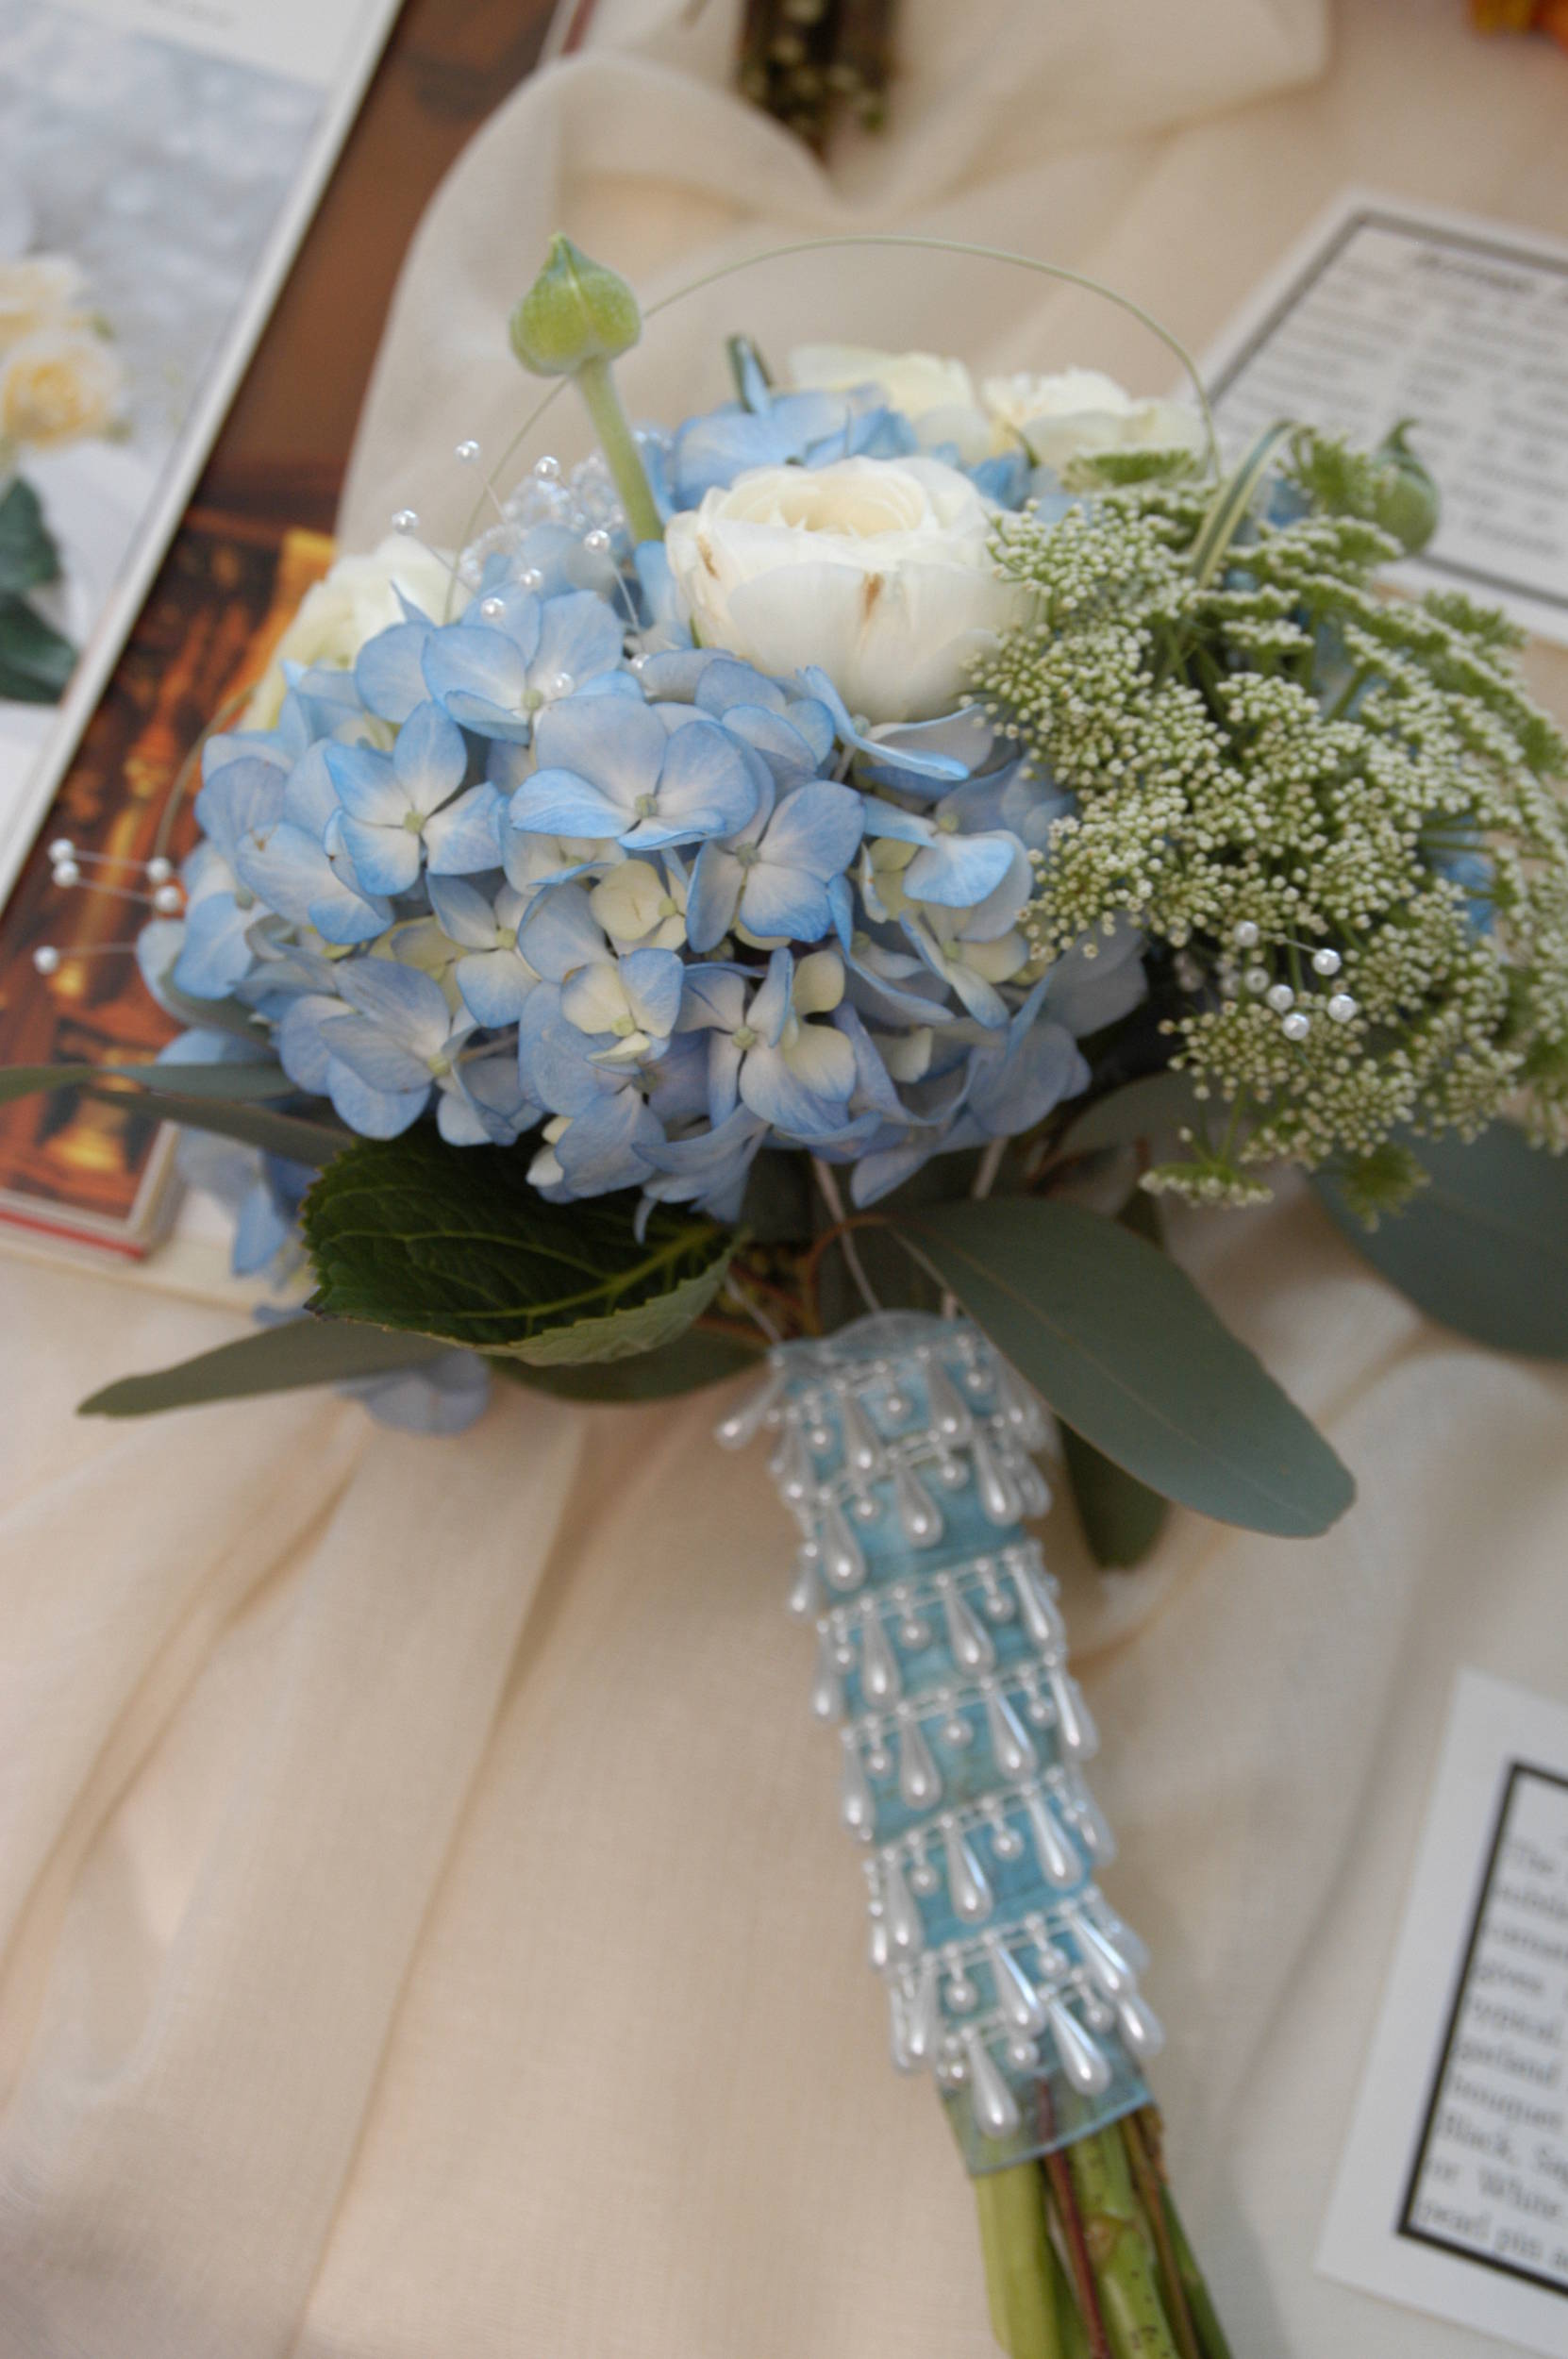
424	1920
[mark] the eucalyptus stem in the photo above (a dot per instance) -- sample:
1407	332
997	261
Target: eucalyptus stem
602	400
1121	2250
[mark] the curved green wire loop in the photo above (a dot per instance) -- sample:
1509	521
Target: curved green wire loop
875	237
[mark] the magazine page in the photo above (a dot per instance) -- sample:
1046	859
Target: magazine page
157	164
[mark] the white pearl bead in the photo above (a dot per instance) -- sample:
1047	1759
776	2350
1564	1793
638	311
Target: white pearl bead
493	607
67	873
46	958
1341	1008
1296	1026
547	469
168	901
531	578
1326	962
1280	996
61	848
1245	935
597	542
160	870
405	520
1256	979
468	451
563	684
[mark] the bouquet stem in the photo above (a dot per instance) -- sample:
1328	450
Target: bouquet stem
1086	2258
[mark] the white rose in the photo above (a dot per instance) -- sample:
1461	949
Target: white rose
877	569
936	394
35	293
354	600
58	386
1081	412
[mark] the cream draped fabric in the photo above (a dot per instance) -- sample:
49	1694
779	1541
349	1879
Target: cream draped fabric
423	1921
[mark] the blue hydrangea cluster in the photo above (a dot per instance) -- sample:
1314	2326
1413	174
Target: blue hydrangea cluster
549	873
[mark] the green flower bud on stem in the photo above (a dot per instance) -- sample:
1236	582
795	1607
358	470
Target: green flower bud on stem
575	320
1407	499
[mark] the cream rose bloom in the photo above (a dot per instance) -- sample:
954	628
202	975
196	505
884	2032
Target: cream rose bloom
1081	412
936	394
879	570
59	386
354	600
38	292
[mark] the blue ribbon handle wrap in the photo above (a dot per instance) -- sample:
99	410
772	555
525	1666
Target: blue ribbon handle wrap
903	1446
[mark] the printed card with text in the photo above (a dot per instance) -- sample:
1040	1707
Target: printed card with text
1387	312
1453	2191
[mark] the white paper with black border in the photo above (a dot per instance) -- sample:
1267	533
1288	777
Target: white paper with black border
1452	2194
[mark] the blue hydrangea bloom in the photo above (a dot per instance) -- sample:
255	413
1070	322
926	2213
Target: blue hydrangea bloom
550	875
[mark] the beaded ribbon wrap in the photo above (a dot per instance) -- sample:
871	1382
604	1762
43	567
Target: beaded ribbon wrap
903	1448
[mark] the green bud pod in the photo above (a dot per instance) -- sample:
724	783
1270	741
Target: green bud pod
576	311
1407	503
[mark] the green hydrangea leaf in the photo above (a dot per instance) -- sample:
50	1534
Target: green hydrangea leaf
1482	1246
1126	1351
691	1363
453	1242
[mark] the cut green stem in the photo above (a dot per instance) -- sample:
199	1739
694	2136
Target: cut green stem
602	400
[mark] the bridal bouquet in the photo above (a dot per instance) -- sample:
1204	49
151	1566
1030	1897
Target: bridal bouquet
800	892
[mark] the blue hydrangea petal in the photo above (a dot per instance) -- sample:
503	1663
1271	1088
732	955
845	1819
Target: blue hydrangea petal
385	860
302	1051
494	985
558	802
289	871
726	681
779	903
480	678
380	1062
466	915
429	758
770	1005
374	1114
715	997
617	744
714	897
367	785
388	670
216	951
957	871
706	788
609	1144
816	829
407	1003
310	800
581	636
509	608
652	983
772	1090
465	837
240	797
561	933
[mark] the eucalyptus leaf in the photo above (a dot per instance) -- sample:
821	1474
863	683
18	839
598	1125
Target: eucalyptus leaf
691	1363
1159	1103
454	1242
1121	1518
272	1359
1128	1352
238	1081
1483	1246
216	1098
